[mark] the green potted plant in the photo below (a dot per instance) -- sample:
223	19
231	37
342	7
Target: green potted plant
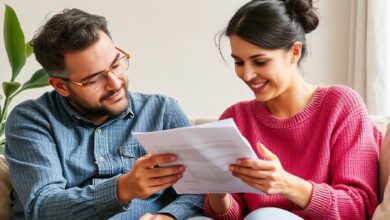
18	50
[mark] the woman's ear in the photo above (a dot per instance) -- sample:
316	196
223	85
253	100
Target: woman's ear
59	86
296	52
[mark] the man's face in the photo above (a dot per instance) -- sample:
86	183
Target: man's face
96	103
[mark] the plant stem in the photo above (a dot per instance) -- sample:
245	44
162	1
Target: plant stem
6	103
4	111
5	107
16	93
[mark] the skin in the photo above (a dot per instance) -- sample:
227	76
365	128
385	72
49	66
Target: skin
285	94
145	178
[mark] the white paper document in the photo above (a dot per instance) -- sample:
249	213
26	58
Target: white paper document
206	151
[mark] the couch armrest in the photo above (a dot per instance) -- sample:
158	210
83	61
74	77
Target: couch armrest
5	190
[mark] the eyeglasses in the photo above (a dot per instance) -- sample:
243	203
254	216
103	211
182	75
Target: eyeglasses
99	80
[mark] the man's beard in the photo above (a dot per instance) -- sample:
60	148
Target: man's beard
94	112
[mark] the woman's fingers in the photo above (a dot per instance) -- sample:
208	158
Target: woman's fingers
256	164
254	173
265	153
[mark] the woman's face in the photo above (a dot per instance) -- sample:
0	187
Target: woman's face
268	73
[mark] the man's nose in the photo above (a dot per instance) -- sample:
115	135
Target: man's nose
113	82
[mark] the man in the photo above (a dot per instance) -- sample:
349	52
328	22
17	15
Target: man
71	152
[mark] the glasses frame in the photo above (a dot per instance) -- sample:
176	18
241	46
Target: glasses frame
105	72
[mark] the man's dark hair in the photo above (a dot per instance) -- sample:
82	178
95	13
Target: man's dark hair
70	30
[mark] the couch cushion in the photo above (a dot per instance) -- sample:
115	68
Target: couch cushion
5	189
380	121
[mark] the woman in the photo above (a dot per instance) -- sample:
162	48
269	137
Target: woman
317	147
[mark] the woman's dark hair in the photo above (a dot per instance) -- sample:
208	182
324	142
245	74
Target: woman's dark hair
70	30
274	24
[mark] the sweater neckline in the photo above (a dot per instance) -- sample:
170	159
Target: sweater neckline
265	117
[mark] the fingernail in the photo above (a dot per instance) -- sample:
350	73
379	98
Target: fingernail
231	168
181	169
238	161
172	158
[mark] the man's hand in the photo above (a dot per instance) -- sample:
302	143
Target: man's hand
149	216
146	177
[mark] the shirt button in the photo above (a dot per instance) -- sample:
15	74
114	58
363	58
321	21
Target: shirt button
99	131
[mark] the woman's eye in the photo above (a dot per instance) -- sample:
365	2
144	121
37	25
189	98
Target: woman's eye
238	63
260	63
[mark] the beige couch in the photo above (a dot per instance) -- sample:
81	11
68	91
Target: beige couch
5	185
5	189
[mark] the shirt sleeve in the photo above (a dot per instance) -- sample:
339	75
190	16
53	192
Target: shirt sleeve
352	193
36	174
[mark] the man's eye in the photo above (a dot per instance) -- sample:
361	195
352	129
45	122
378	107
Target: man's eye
91	82
95	79
115	66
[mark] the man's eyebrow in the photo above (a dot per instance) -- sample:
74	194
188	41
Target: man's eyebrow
94	74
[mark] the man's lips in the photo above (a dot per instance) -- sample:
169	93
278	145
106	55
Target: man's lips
112	95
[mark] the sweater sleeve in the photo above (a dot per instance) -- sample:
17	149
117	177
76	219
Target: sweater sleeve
352	192
235	210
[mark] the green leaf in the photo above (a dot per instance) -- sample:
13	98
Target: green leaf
2	146
14	41
10	88
2	128
38	79
29	49
1	97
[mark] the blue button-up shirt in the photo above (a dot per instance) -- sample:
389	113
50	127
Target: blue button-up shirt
63	166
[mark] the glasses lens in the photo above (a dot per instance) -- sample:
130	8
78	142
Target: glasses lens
121	66
97	81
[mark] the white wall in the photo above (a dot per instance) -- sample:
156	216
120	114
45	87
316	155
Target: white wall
172	47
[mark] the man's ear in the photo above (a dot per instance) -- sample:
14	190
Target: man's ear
59	86
296	52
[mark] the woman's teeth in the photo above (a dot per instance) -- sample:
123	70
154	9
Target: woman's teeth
258	85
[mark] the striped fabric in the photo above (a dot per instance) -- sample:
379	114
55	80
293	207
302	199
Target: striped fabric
63	166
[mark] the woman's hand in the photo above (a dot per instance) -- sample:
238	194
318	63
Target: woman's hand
269	177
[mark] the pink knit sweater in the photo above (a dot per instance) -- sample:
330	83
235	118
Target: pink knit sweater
332	143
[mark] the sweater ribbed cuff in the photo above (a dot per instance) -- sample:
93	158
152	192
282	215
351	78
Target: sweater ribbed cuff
234	211
320	202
